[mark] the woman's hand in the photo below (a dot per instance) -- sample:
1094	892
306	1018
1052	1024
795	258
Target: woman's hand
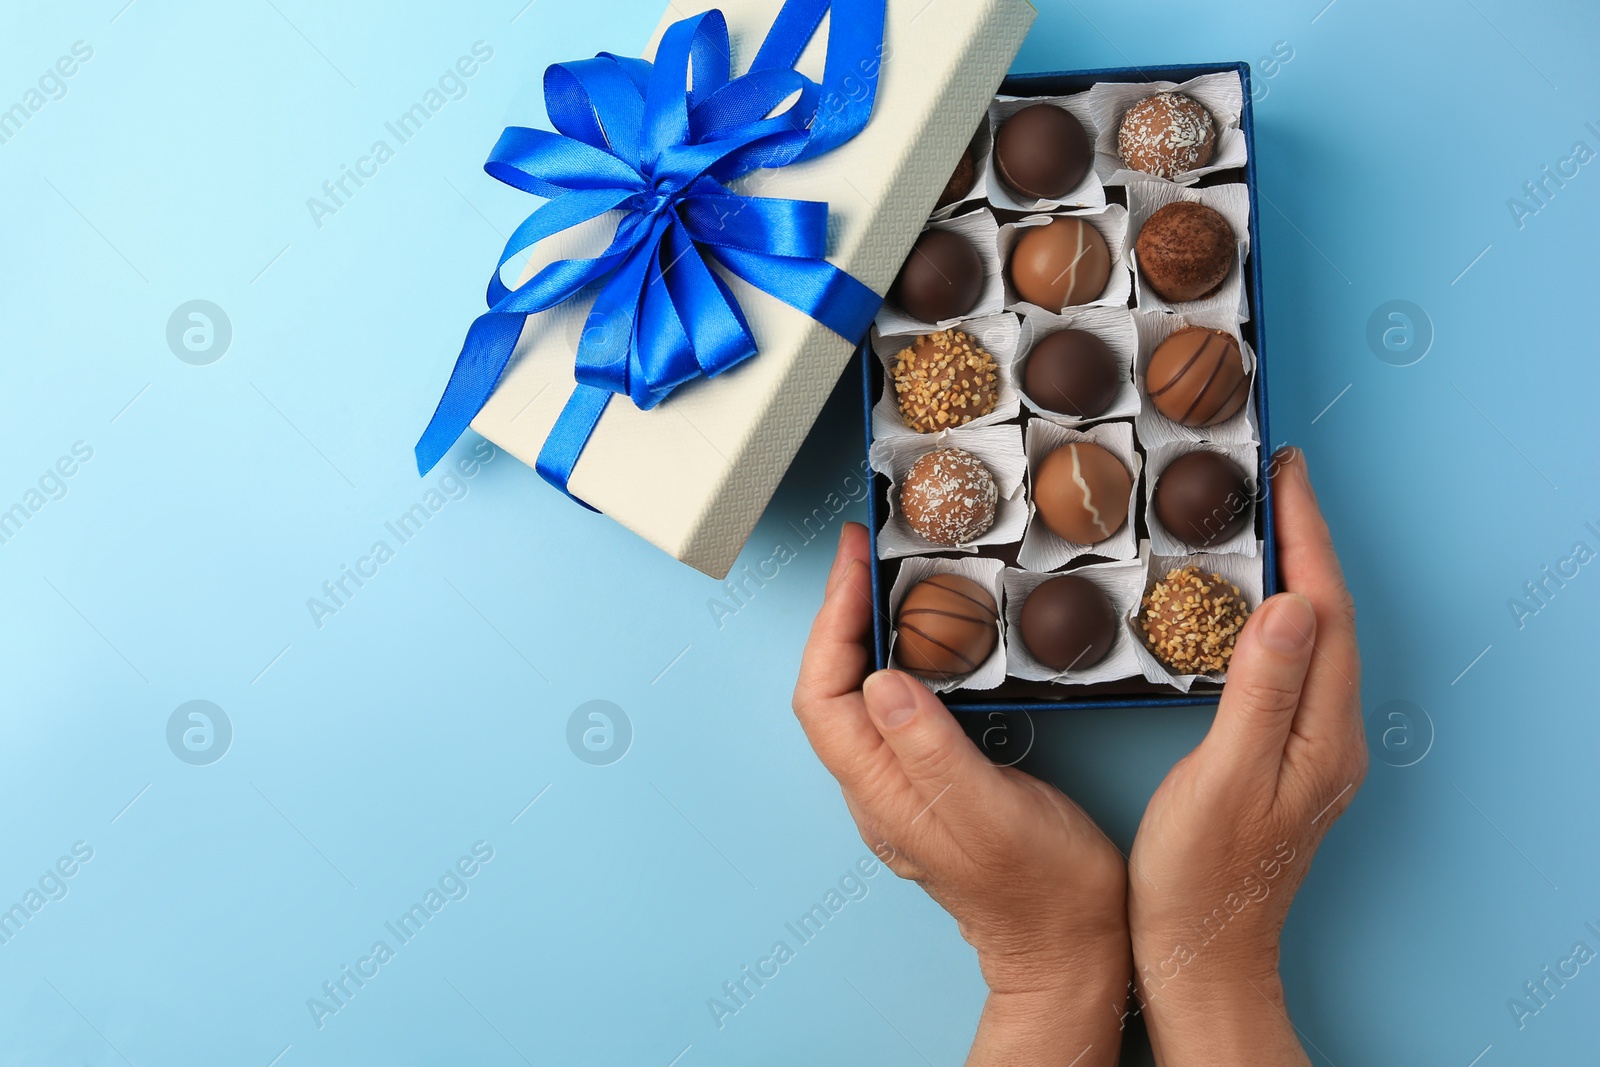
1036	888
1228	837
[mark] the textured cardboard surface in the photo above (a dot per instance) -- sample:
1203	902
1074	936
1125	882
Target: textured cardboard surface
694	475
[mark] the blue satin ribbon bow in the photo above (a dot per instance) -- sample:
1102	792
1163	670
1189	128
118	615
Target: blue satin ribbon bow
660	142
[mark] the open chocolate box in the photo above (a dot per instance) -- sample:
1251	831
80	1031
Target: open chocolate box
992	218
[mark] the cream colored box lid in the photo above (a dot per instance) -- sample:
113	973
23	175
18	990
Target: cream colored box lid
693	475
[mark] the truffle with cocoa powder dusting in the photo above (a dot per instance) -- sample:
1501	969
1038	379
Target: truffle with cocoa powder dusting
1185	251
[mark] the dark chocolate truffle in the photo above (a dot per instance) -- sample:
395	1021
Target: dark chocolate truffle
944	380
1196	377
1081	492
947	627
1191	619
1042	152
941	279
1166	135
1185	251
1068	623
1072	372
949	497
1060	264
961	179
1202	498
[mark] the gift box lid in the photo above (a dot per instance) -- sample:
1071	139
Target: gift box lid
694	474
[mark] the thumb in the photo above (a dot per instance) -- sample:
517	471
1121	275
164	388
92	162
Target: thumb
1265	677
930	746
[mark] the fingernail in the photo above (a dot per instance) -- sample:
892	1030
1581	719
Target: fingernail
1289	625
890	698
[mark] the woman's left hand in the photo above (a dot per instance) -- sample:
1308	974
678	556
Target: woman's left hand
1035	886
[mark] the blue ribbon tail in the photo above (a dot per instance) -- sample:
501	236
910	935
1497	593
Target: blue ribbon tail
570	435
483	358
824	292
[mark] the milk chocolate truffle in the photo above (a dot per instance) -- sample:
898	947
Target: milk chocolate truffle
1081	491
1191	619
1167	135
1042	152
1202	498
1196	377
1185	251
1068	623
945	379
1072	372
941	279
961	179
1060	264
949	497
947	627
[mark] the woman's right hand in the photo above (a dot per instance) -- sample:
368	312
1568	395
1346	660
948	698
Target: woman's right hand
1229	835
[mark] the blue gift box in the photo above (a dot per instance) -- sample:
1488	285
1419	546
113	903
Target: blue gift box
1013	694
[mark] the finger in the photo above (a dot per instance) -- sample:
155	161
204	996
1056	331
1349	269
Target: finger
1331	708
1265	677
835	660
826	698
933	751
852	545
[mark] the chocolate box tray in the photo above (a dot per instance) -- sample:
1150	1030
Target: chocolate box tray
1014	694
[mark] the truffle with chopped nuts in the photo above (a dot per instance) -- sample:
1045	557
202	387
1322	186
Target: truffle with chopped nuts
1190	620
944	380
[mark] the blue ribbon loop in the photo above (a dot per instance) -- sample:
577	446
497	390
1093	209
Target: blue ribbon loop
660	142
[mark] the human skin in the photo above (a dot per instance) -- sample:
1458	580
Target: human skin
1228	837
1033	884
1037	888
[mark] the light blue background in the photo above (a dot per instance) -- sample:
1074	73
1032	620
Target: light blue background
373	751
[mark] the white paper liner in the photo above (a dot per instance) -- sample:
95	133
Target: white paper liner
1232	202
1089	193
982	230
998	447
1245	455
1242	571
1122	581
982	146
1223	96
986	572
1111	221
1113	325
1154	428
999	335
1041	549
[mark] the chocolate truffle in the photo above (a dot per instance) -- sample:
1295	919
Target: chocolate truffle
1196	377
1202	498
941	279
1068	623
1166	135
1042	152
1060	264
961	179
949	497
1081	491
945	379
947	627
1185	251
1191	619
1072	372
